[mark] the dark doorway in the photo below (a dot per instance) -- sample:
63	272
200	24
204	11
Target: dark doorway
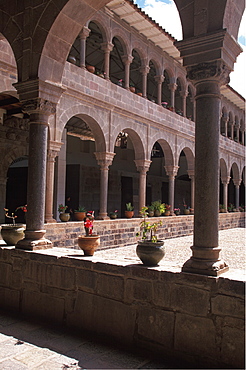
126	193
72	185
148	195
16	191
164	192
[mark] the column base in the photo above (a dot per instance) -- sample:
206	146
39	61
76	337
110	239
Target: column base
205	267
34	240
50	220
102	216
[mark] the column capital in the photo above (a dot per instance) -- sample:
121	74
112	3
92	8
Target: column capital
84	33
171	170
159	79
237	182
213	71
107	46
172	86
144	70
225	180
183	93
127	59
39	105
142	165
104	159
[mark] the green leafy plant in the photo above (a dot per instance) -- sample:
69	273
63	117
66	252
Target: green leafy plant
148	230
158	206
129	207
13	215
80	209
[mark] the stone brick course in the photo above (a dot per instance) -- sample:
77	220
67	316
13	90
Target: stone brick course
190	317
121	232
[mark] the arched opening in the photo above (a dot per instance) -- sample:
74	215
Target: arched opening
182	184
16	188
94	54
157	180
223	122
166	92
117	67
178	98
151	83
135	82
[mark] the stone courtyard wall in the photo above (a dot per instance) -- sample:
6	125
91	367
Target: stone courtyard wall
122	232
188	317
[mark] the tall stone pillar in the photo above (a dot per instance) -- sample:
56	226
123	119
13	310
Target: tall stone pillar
237	183
231	127
191	174
243	136
159	79
127	59
225	123
142	167
104	159
144	70
39	111
171	172
53	150
3	183
82	37
172	87
225	181
107	47
184	95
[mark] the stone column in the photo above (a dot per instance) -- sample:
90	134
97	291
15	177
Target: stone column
237	183
194	109
127	59
39	111
104	159
82	37
53	150
184	95
231	126
243	137
172	87
171	172
225	181
205	251
107	47
3	183
159	79
142	167
237	131
144	70
191	174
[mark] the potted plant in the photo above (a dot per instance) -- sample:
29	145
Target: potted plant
231	207
159	207
80	213
114	214
62	215
151	211
89	242
176	211
90	68
132	88
129	210
12	233
167	210
150	250
186	208
222	208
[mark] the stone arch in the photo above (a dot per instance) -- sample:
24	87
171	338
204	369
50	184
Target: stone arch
92	117
10	155
138	46
223	168
135	138
105	30
190	157
235	170
122	36
156	61
167	150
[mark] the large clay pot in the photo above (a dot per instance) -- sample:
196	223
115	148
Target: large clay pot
79	216
129	214
90	68
167	213
89	244
132	89
157	213
64	217
11	234
186	211
150	253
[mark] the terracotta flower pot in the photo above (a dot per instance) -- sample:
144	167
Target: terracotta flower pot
89	244
79	216
132	89
129	214
90	68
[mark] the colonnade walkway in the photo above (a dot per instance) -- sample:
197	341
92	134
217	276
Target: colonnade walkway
27	344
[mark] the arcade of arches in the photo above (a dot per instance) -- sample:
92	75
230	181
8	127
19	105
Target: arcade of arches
125	130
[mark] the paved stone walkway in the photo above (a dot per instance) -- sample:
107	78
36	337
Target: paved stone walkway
25	344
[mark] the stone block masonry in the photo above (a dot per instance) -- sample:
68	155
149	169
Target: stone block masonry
122	232
198	320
